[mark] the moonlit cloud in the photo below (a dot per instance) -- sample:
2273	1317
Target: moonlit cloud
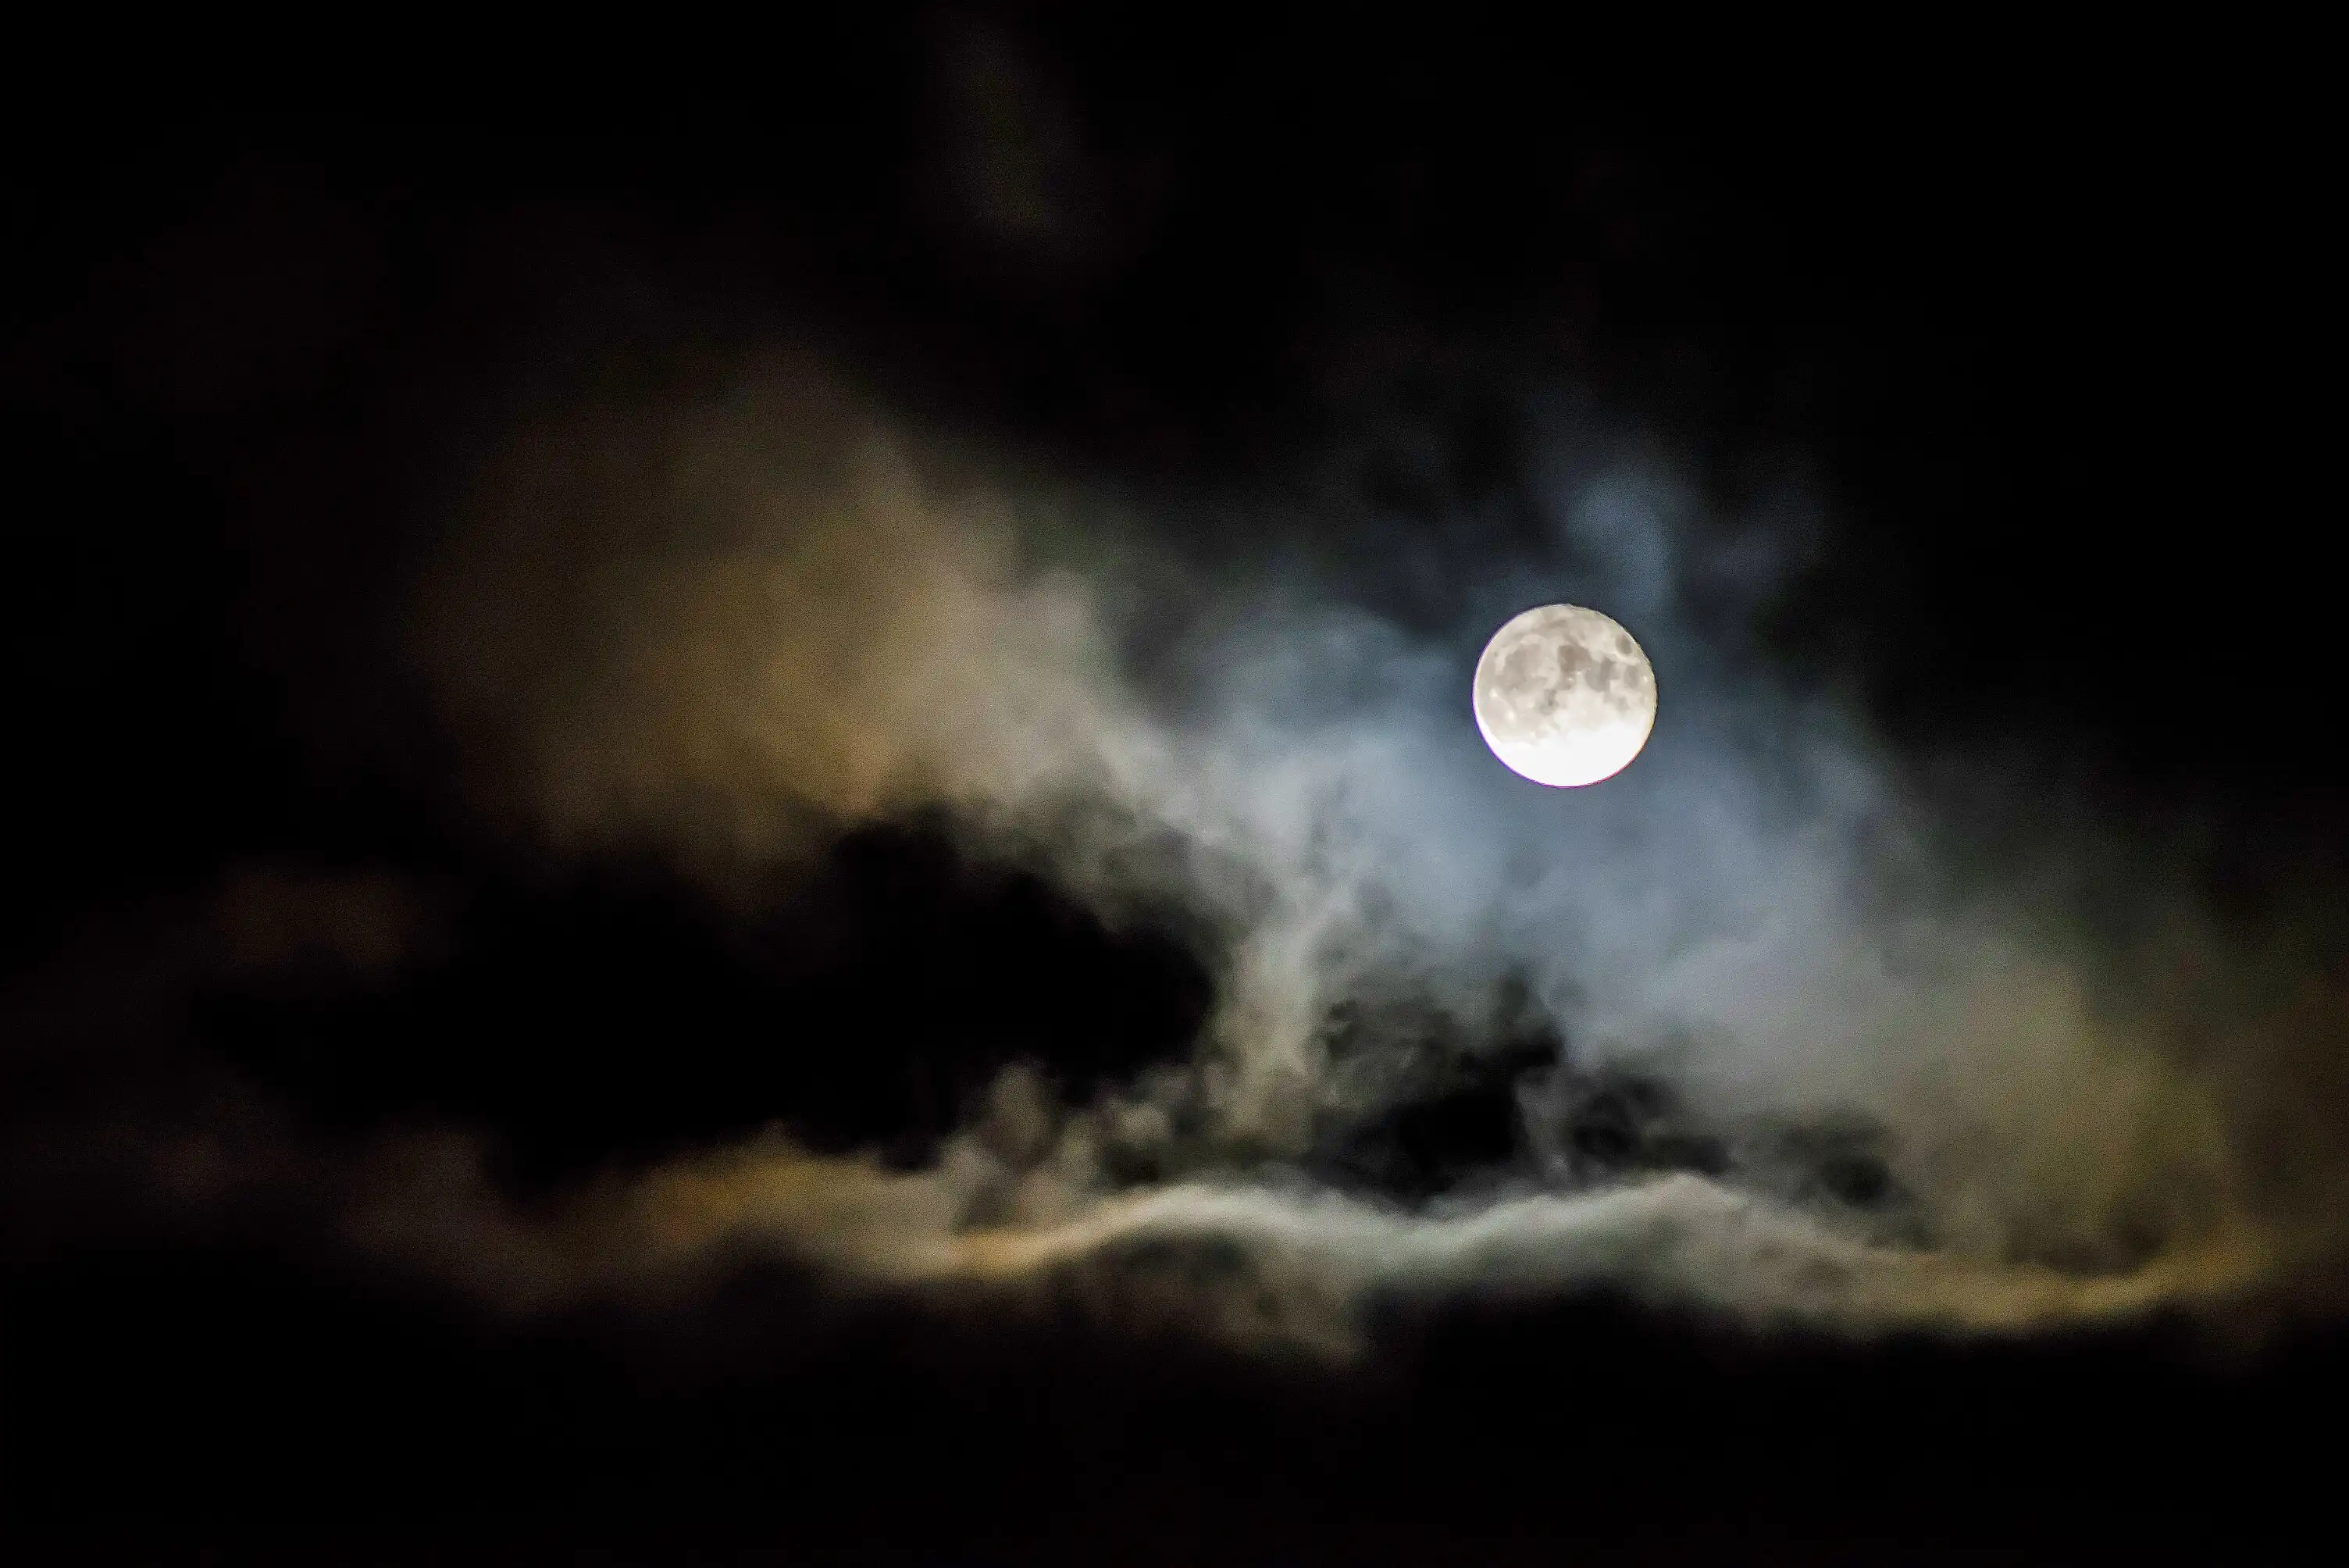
737	626
1856	1079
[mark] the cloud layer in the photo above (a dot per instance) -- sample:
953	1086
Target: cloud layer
731	626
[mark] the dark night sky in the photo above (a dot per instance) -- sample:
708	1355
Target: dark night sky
2043	343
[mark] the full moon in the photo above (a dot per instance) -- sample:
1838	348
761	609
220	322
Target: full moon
1564	696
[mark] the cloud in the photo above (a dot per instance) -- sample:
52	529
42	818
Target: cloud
733	625
1275	1263
278	920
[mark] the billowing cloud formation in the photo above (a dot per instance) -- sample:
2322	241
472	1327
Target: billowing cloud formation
734	626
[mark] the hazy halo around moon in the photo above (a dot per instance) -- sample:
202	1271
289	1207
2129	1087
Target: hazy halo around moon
1564	696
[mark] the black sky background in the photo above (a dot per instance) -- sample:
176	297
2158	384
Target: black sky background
2050	341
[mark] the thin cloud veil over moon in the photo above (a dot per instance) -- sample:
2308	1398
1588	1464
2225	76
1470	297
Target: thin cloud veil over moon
1564	696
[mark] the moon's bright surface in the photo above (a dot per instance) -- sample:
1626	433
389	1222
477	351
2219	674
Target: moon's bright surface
1564	696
